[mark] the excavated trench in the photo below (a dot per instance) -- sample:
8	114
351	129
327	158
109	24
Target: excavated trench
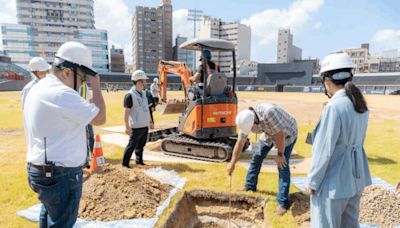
203	208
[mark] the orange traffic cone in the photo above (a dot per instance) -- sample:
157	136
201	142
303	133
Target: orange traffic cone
98	158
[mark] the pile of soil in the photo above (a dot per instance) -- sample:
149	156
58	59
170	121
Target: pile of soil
379	206
120	193
300	207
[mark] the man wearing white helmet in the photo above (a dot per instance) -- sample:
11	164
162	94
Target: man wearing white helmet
137	119
39	68
279	129
55	117
155	90
339	169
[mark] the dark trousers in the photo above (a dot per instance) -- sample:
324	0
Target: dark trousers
137	141
59	194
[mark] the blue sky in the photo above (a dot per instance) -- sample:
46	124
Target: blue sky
318	26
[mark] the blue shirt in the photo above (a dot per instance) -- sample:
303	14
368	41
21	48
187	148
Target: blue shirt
339	167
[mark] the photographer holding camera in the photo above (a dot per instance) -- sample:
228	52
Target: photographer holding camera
55	117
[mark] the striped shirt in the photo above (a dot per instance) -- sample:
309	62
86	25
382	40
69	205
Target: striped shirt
273	119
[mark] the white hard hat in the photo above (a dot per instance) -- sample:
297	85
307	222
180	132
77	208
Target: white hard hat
155	80
138	75
335	61
38	64
245	121
76	53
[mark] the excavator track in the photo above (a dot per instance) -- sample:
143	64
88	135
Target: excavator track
206	150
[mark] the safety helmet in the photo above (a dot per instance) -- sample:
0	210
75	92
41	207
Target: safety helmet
206	54
245	121
336	61
38	64
155	80
138	75
72	54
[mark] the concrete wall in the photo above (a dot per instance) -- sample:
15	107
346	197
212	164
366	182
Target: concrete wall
297	73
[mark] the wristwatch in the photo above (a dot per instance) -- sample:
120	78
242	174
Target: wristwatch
280	154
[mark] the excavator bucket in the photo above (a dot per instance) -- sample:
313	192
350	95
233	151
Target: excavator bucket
172	107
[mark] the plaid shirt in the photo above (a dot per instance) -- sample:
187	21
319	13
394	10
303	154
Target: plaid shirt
273	119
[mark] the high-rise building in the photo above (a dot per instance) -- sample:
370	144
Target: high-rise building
359	57
151	36
182	55
117	59
237	33
287	52
43	26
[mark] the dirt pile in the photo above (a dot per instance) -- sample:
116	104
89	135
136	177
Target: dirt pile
300	207
379	206
119	193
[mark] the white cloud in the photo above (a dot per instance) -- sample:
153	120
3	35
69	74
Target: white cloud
317	25
115	18
181	26
386	39
265	24
8	11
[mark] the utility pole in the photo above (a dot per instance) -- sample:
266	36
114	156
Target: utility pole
195	16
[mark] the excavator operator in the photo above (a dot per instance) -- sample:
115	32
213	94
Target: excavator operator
211	67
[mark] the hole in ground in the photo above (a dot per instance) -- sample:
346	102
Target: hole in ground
204	208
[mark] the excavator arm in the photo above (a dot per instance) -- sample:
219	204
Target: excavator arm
173	67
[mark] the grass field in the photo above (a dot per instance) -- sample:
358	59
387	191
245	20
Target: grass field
382	146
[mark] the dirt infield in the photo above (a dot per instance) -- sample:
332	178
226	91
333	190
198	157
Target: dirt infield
119	193
307	107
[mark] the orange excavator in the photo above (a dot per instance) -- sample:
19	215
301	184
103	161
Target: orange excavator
207	129
177	68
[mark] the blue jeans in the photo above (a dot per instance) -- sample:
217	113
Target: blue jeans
60	195
284	174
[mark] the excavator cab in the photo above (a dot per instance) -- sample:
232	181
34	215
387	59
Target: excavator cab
207	129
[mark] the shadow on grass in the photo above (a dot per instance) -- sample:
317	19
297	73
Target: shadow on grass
177	167
268	193
376	160
180	167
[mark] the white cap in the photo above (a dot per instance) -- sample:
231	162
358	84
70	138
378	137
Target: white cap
245	121
335	61
77	53
155	80
38	64
138	75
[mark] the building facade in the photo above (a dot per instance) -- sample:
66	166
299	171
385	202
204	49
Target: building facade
360	58
287	52
117	60
151	36
237	33
43	26
183	55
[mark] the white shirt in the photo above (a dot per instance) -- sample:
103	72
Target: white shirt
57	112
154	90
27	88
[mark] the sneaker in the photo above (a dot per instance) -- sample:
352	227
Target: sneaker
140	163
126	166
244	189
280	210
